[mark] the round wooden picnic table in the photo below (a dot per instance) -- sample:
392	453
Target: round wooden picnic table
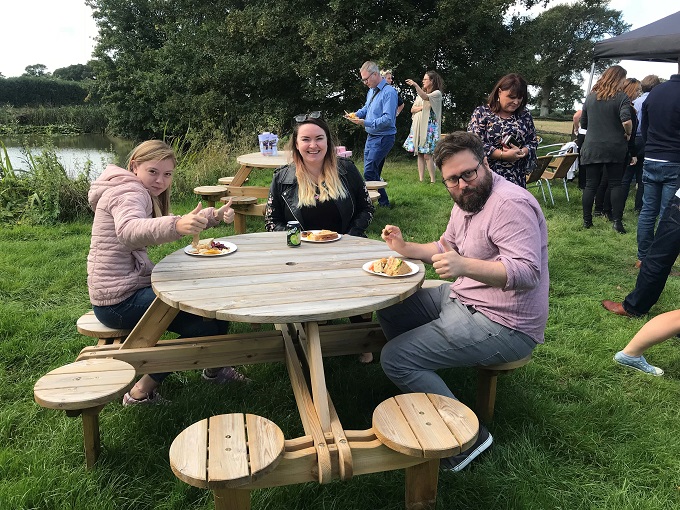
265	281
259	160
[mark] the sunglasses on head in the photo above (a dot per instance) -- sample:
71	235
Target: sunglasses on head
306	116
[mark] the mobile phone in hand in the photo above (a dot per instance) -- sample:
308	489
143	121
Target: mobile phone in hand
509	140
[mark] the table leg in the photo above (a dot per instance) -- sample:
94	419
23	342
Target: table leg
241	175
308	415
312	348
239	223
151	326
231	499
421	485
91	435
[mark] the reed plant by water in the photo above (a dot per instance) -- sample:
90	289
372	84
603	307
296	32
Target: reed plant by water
60	119
572	429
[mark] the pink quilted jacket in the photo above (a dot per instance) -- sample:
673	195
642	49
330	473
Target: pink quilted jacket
118	264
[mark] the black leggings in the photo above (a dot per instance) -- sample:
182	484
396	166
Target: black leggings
594	172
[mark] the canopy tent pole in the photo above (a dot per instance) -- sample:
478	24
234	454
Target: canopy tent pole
592	72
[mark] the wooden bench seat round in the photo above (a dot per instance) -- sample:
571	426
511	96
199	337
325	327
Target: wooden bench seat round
89	325
375	185
225	452
211	194
84	388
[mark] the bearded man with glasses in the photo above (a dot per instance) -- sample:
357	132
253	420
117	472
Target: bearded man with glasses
379	118
495	249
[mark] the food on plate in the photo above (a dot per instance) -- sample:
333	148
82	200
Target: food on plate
209	247
351	115
391	266
321	235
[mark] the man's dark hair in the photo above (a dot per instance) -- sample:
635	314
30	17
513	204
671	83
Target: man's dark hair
456	142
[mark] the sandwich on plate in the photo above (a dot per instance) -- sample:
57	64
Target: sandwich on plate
391	266
322	235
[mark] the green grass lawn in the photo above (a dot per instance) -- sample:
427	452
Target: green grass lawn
572	429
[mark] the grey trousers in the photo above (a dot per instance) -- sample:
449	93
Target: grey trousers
429	331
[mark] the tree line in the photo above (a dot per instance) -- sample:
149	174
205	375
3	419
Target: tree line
236	67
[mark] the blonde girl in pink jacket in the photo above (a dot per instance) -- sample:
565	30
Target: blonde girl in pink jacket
132	211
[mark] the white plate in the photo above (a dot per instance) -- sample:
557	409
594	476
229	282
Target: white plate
414	269
228	248
316	232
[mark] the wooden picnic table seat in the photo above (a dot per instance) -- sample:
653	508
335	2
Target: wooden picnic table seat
233	454
89	325
375	185
243	206
225	452
225	181
211	194
84	388
425	425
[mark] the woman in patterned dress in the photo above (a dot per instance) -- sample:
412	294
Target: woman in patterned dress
426	121
505	114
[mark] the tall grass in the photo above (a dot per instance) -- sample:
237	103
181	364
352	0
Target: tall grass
572	429
60	119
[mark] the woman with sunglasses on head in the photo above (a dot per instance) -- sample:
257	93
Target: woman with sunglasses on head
507	129
426	119
318	189
132	211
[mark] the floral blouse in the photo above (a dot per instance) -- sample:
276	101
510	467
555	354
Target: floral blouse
492	129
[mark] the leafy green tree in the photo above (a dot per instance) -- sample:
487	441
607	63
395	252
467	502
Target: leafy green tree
76	72
237	67
37	70
555	47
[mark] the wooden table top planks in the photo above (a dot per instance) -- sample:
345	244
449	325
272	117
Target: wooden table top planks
265	281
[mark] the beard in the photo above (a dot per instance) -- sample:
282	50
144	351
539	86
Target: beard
472	200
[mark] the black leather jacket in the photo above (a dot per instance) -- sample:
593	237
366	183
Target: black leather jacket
356	209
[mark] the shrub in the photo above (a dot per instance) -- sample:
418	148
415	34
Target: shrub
44	194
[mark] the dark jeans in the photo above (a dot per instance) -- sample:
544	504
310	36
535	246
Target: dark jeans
126	315
657	265
375	152
594	174
660	185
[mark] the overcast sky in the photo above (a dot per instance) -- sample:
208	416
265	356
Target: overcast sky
59	33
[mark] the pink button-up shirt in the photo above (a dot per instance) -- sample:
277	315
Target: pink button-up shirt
510	229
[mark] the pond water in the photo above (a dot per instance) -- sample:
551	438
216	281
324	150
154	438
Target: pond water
73	151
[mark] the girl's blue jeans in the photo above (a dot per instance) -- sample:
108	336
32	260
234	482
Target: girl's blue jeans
126	315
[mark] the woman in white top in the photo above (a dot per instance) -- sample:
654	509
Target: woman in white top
426	121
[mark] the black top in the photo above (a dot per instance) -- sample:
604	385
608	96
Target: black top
605	140
323	215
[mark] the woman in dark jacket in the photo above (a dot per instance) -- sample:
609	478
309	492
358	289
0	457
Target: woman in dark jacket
318	189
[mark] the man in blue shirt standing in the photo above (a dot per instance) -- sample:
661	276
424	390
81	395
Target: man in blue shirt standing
378	117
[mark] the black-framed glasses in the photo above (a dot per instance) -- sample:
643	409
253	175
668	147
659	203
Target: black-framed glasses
306	116
365	80
467	176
